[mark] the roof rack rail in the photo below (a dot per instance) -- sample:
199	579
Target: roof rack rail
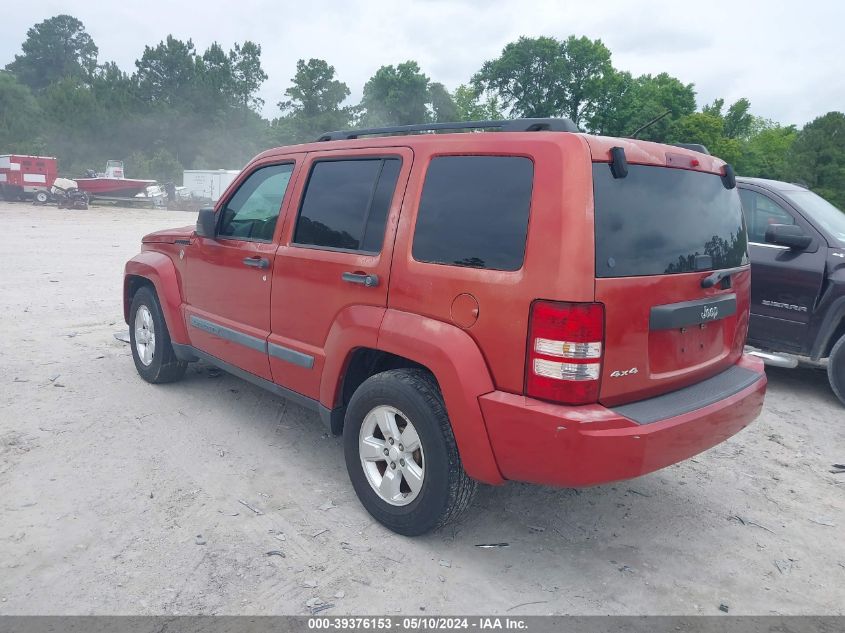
511	125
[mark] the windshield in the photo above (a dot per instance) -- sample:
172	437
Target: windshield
661	220
828	217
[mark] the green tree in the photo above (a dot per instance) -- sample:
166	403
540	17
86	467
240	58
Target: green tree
631	103
543	77
184	95
179	107
215	73
114	88
57	48
161	166
396	95
314	103
443	108
588	66
470	106
528	77
739	121
708	129
20	116
724	134
714	109
242	134
247	74
168	72
818	157
764	153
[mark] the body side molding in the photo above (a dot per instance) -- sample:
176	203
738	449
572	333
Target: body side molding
221	331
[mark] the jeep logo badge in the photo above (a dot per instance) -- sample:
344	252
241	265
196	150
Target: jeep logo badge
710	312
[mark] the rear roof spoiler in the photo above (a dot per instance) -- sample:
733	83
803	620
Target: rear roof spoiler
696	147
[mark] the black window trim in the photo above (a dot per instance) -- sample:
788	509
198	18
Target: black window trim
791	209
336	159
334	249
519	270
778	204
369	210
229	238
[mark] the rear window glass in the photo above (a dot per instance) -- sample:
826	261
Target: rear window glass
474	212
659	220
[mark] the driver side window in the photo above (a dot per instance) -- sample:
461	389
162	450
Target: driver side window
760	212
251	213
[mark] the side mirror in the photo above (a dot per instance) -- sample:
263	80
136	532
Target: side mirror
789	235
206	223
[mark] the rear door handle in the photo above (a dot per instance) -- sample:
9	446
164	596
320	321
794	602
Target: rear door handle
370	281
257	262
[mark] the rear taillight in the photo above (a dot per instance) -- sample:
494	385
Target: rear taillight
565	351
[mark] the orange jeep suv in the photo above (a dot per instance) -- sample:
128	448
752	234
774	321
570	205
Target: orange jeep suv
524	302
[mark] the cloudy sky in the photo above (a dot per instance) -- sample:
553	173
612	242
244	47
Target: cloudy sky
786	57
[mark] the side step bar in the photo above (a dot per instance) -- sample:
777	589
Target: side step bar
782	359
774	359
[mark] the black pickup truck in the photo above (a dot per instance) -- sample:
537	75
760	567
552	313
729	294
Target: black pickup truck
796	241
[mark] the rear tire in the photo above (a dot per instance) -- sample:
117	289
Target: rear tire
149	339
433	487
836	369
41	197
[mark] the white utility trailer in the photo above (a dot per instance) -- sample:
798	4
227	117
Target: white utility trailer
208	183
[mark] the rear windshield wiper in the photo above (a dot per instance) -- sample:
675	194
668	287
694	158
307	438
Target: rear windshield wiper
711	280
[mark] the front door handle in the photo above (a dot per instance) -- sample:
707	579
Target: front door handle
370	281
257	262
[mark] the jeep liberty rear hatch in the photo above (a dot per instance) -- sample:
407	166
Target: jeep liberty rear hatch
660	232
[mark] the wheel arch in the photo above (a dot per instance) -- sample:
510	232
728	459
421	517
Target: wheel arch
837	333
363	362
156	270
448	353
832	326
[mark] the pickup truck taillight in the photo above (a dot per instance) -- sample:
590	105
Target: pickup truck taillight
565	351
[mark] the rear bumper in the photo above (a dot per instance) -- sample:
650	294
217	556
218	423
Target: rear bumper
544	443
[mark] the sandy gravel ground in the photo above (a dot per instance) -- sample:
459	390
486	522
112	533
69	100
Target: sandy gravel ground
106	483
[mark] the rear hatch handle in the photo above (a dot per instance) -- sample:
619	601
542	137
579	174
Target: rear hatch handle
712	279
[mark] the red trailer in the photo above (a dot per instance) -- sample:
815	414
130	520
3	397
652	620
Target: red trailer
27	176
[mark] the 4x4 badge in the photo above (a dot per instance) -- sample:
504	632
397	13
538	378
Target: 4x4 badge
624	372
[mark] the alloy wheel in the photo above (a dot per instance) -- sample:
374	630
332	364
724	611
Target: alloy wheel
145	336
391	455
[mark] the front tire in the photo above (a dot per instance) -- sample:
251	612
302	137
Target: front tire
149	339
41	197
836	369
401	455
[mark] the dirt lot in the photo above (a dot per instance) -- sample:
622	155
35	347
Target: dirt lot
106	483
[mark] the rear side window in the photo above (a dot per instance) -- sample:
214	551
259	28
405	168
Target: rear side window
660	220
474	212
346	203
